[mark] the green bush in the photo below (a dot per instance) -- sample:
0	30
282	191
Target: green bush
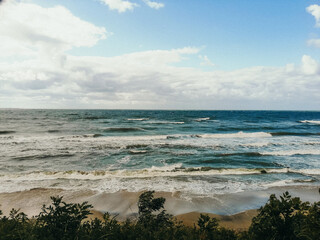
280	219
61	220
286	218
16	226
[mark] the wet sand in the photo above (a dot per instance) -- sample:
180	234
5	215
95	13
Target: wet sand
233	210
240	221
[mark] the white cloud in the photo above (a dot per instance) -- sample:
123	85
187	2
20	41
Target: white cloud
314	42
28	31
148	80
123	5
39	77
152	4
56	25
206	61
120	5
314	10
309	65
158	57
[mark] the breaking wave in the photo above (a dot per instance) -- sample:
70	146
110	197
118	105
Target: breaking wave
138	119
310	121
6	132
123	129
175	170
293	134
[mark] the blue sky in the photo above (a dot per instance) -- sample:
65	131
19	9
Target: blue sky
234	34
192	45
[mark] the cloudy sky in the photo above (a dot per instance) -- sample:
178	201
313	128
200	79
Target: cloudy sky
160	54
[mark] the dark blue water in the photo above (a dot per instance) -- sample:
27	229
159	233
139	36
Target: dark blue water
195	152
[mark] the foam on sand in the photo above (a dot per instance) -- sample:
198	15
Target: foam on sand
124	203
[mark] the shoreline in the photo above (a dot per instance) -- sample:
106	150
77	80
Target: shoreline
234	211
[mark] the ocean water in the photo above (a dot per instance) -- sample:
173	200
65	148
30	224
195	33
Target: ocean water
196	153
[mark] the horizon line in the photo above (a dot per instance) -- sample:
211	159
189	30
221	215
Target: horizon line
155	109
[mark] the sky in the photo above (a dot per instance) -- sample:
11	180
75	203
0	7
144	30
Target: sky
160	54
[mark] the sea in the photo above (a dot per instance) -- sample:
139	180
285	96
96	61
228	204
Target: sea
195	153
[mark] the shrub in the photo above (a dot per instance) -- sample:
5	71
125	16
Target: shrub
286	218
61	220
16	226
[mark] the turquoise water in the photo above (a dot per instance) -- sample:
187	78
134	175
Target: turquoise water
194	152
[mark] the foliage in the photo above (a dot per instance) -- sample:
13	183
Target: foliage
209	229
61	220
280	219
16	226
286	218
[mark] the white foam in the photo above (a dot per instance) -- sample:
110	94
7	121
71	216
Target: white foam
154	178
293	152
238	135
198	187
138	119
307	171
134	138
164	122
311	121
138	151
202	119
174	170
256	144
280	183
287	182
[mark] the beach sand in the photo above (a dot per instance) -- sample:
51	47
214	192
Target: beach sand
240	221
233	211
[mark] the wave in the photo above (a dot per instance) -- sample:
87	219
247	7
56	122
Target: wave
293	152
202	119
175	136
312	143
164	122
274	153
288	182
148	137
180	136
72	114
138	119
6	132
310	121
258	144
44	156
175	170
248	154
123	129
92	118
53	131
222	135
97	135
203	181
245	128
293	133
138	151
237	135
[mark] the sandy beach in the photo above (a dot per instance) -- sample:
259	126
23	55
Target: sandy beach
232	210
